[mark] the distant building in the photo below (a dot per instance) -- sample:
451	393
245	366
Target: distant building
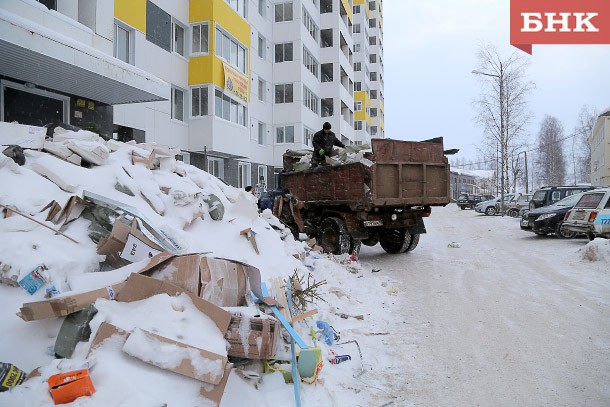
232	83
478	182
600	151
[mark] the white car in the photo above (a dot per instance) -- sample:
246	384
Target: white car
591	214
489	207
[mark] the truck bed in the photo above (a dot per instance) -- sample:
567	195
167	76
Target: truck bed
404	173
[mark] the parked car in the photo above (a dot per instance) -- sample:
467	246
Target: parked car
470	200
549	195
549	219
489	207
512	206
591	214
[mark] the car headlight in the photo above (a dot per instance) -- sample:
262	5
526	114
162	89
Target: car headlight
394	216
546	216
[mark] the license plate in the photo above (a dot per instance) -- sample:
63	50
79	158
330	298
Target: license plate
369	223
525	223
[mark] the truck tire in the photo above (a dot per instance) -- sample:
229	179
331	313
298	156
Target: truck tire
333	236
414	242
395	241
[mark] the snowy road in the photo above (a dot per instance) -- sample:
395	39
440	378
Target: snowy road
506	319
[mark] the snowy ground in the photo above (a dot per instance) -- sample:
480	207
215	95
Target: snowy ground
480	313
505	319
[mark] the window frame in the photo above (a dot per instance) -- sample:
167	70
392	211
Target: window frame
284	87
173	103
185	31
284	133
192	34
201	90
118	24
283	16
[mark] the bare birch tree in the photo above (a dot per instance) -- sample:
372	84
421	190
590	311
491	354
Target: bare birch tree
551	160
581	148
502	109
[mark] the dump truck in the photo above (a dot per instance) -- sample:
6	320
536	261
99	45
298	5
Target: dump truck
382	198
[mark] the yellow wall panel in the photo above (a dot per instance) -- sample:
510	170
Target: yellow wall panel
132	12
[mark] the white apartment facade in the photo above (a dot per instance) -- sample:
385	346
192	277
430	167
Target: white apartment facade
232	83
600	151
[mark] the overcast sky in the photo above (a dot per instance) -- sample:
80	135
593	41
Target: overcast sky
430	50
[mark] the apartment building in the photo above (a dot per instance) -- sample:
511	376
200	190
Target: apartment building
600	151
232	83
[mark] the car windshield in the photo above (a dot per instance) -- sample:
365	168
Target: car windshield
539	195
570	200
463	196
589	201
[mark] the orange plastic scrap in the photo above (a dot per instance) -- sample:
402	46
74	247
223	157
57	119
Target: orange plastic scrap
67	387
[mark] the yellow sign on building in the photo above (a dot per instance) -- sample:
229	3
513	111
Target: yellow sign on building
236	83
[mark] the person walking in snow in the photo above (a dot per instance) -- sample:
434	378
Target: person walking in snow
323	142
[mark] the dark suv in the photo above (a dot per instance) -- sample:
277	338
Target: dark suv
470	201
549	195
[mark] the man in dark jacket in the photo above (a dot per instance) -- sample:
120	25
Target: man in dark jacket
323	142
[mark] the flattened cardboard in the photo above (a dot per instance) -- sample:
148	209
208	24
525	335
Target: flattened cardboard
139	287
223	282
216	392
182	271
62	306
185	367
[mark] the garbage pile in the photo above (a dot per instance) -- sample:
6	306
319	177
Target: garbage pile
163	280
300	160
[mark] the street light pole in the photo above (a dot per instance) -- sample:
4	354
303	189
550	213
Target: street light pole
502	129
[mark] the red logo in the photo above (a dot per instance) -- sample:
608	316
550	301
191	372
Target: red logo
559	22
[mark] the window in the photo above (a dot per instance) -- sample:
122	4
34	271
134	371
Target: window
373	76
261	90
373	112
310	25
373	58
327	72
123	43
178	43
356	28
158	26
177	104
229	109
373	40
216	167
373	94
231	50
326	38
239	6
284	134
50	4
373	130
310	62
310	100
262	7
261	133
284	93
283	52
358	86
262	45
199	101
357	47
357	66
371	5
262	176
372	23
200	38
358	125
356	9
326	107
283	12
357	106
244	176
308	136
326	6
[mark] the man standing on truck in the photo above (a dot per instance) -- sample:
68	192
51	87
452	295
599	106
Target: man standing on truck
323	142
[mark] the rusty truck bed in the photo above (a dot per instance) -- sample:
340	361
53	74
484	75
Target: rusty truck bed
404	173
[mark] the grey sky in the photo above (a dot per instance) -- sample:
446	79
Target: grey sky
430	50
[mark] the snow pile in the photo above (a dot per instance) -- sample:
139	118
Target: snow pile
596	250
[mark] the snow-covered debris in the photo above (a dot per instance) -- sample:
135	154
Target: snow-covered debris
596	250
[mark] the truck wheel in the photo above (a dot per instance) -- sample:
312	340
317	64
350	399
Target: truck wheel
333	236
414	242
395	241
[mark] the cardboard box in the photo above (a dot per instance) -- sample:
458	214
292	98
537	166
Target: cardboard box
67	387
261	340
